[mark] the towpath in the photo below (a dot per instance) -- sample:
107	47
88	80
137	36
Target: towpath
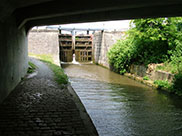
38	106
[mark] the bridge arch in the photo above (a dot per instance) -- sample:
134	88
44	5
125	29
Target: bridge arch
18	17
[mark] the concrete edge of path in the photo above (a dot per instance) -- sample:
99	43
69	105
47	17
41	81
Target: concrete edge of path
83	113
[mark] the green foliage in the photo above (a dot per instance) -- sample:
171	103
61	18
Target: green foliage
146	78
149	41
177	84
176	57
120	56
59	74
148	38
31	67
174	64
168	67
30	70
161	83
152	41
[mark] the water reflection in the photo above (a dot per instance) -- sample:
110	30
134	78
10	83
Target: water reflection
120	106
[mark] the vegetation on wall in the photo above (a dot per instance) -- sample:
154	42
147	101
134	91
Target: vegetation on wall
162	83
149	41
146	78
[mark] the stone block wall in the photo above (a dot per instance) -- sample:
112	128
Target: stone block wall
142	71
44	42
161	75
102	41
97	42
138	70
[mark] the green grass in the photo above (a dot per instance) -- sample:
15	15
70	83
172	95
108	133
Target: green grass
162	84
31	67
59	74
176	86
146	78
168	67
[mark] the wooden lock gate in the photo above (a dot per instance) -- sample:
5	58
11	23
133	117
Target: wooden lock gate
81	45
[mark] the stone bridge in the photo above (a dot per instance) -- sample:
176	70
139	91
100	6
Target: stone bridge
17	17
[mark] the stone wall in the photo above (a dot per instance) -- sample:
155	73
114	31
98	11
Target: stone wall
13	56
97	42
152	74
44	42
102	41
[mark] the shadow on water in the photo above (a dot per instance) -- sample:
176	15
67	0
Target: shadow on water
120	106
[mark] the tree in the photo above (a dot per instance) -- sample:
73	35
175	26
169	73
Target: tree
148	41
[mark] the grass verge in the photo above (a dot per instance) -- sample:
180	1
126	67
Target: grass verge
31	67
59	75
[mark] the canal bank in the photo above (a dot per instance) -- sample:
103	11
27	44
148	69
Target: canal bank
119	106
142	76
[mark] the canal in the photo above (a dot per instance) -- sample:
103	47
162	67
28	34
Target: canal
119	106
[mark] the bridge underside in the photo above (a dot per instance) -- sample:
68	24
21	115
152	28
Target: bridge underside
45	12
18	16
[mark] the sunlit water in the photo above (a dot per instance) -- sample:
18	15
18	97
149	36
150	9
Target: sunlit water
120	106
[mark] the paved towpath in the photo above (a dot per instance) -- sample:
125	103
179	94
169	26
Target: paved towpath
39	107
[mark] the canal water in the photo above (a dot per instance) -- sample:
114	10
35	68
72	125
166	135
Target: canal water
119	106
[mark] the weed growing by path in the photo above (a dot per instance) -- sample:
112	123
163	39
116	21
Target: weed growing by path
146	78
31	67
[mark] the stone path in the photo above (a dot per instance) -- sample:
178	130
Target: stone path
39	107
